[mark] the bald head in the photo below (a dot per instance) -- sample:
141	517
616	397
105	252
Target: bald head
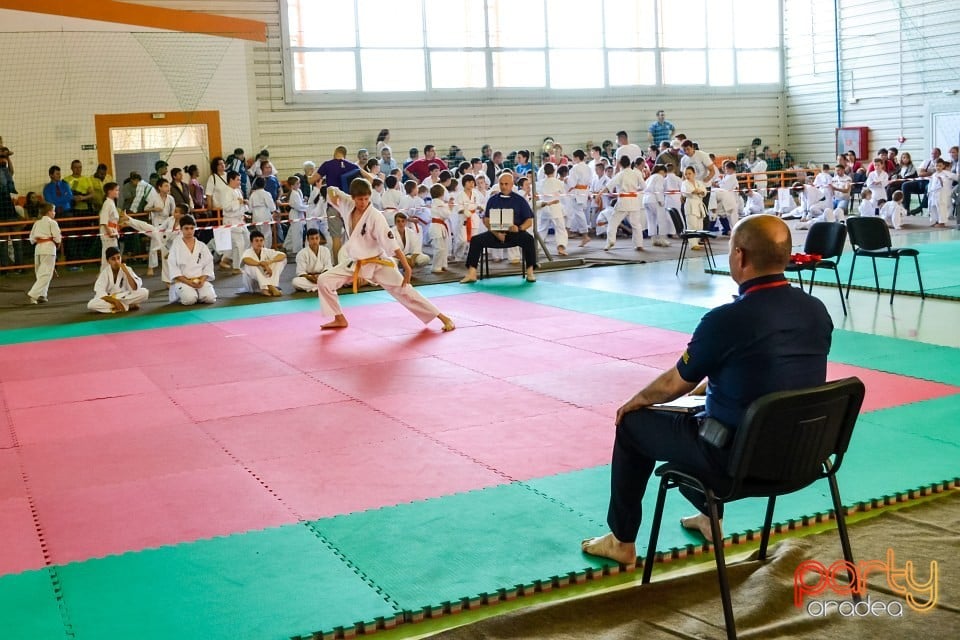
765	243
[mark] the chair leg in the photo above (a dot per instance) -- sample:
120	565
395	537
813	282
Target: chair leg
655	531
721	566
683	251
842	531
843	304
893	287
800	278
767	523
711	258
876	278
853	263
916	263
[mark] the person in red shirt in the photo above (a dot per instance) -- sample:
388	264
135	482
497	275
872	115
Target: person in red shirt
419	169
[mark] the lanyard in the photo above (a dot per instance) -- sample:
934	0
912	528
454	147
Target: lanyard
765	285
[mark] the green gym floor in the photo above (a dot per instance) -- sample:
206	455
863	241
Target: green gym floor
232	472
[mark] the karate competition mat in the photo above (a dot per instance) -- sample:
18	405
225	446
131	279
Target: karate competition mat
236	473
939	268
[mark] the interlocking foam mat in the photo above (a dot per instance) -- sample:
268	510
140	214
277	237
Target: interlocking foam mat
236	472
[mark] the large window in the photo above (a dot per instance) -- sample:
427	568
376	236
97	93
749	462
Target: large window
436	45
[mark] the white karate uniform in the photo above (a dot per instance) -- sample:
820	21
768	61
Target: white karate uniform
877	183
893	212
262	208
672	184
233	210
754	204
597	203
413	246
727	199
296	215
867	208
310	263
108	284
45	235
812	203
254	278
109	218
581	175
465	207
824	182
653	203
191	264
552	215
759	171
391	204
440	224
370	238
603	223
939	190
693	207
166	206
628	181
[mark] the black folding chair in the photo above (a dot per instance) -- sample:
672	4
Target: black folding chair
825	239
686	235
787	441
870	238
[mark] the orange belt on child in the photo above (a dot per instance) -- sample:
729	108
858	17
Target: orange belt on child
359	265
438	221
41	240
626	195
580	186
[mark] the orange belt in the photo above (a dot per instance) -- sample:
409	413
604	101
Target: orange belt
359	265
113	225
42	240
469	224
580	186
438	221
626	195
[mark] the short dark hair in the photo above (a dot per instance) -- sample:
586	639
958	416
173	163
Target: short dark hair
52	170
313	232
188	221
256	233
579	154
110	252
110	186
231	175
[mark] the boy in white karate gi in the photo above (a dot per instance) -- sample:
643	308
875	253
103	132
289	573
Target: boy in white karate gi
578	181
939	192
117	289
263	209
296	215
629	185
867	206
466	206
550	209
313	260
191	267
45	235
727	198
440	224
893	211
410	239
369	248
754	202
693	192
262	267
160	205
109	221
234	207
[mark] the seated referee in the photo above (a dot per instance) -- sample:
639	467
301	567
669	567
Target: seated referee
772	337
506	203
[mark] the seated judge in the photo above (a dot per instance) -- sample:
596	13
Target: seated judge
516	216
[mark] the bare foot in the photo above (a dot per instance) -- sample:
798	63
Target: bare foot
700	523
585	241
266	292
149	272
561	251
339	322
275	291
470	277
609	547
447	322
133	307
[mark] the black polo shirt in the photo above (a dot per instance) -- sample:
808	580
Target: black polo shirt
773	337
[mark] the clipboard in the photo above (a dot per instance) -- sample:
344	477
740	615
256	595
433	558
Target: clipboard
500	219
683	404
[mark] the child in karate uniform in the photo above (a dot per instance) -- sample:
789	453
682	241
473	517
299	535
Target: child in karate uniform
939	192
653	203
109	221
727	197
117	289
297	214
45	235
893	211
439	228
263	208
551	213
867	206
693	192
467	219
262	267
312	261
629	184
373	253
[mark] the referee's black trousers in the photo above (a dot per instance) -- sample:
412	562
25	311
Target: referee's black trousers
489	240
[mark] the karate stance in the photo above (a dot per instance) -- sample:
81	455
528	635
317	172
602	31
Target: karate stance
369	247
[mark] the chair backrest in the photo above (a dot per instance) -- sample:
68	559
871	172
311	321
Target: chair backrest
677	220
786	436
868	232
826	239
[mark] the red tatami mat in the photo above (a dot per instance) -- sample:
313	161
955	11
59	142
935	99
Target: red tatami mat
526	448
318	485
82	419
56	390
886	390
138	454
417	377
20	549
533	356
632	343
348	425
105	519
590	385
11	480
43	360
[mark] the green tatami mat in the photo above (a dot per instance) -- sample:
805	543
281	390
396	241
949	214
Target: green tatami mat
935	419
28	608
275	583
894	355
463	546
178	316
